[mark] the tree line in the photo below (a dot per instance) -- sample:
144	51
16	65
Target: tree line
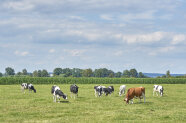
75	72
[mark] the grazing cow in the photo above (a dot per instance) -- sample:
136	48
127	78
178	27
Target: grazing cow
98	90
158	88
135	92
108	90
28	86
74	90
57	93
122	90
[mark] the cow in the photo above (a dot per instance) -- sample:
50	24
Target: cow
122	90
158	88
74	90
28	86
98	90
135	92
108	90
57	93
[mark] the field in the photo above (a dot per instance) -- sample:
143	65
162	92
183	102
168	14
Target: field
39	107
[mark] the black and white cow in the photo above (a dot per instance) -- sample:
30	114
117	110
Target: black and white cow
108	90
98	90
74	90
28	86
57	93
158	88
122	90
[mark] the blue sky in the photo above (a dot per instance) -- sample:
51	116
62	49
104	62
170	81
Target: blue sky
149	35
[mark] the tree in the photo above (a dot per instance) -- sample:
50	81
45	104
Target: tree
141	75
44	73
9	71
24	72
19	73
35	73
168	74
39	73
110	73
76	72
57	71
67	72
1	75
133	73
126	73
118	74
87	73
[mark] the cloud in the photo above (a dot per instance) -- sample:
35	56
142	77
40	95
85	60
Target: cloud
179	38
52	50
106	17
143	38
74	52
161	50
24	53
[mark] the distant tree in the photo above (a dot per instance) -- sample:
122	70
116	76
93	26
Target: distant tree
118	74
57	71
1	75
126	73
67	72
19	73
133	73
168	74
24	72
110	73
87	73
9	71
76	72
35	73
141	75
44	73
98	73
39	72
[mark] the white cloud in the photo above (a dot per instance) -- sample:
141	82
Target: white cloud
180	38
143	38
74	52
106	17
118	53
24	53
52	50
161	50
19	5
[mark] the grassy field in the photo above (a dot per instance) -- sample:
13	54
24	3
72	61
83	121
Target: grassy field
39	107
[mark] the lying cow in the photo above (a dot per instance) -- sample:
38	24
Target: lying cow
74	90
57	93
122	90
135	92
158	88
98	90
28	86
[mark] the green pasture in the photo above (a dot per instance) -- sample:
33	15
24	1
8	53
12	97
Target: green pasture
17	107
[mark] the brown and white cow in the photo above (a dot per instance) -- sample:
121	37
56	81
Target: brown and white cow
135	92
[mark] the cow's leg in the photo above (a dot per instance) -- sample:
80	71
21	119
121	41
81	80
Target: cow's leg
132	101
95	93
143	96
156	93
71	94
153	92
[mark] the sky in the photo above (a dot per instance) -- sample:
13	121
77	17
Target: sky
148	35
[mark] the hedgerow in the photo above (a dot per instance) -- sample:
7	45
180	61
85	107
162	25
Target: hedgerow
91	80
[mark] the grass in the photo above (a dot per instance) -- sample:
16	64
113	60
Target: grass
39	107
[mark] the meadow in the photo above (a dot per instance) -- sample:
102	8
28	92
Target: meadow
39	107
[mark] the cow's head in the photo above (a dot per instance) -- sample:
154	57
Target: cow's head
64	96
127	100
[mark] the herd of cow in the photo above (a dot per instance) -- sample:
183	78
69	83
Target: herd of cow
99	91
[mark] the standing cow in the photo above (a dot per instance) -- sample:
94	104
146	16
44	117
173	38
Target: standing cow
28	86
108	90
158	88
74	90
57	93
98	90
135	92
122	90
